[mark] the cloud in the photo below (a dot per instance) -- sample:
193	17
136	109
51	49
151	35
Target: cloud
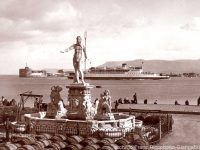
25	19
25	9
11	31
59	20
194	25
34	31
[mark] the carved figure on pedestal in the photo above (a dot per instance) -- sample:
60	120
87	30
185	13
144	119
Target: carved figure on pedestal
61	110
104	105
75	104
78	50
55	94
56	107
88	108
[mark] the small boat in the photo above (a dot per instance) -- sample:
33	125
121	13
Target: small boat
98	86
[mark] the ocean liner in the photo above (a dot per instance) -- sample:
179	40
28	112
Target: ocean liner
119	73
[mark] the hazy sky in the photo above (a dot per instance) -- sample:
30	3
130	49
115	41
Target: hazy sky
34	31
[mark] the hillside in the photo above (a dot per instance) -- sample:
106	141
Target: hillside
161	66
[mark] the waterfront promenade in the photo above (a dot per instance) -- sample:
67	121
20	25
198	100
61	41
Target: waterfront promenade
160	108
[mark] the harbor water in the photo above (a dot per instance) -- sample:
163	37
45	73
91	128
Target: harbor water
186	128
164	91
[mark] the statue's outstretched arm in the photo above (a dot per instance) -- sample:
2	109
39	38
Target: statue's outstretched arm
68	49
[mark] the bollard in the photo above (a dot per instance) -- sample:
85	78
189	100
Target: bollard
7	129
160	128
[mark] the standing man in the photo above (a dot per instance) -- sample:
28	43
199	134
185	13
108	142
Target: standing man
78	50
198	101
135	99
155	102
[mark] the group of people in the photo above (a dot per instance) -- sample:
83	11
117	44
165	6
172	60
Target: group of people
187	102
5	102
127	100
132	101
177	103
38	103
135	101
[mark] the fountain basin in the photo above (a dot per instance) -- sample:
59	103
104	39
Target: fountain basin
18	127
118	127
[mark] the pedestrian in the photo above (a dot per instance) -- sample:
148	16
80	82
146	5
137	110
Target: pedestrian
116	105
2	98
155	102
198	101
1	103
134	101
13	102
126	100
176	103
5	102
120	101
187	102
145	101
40	103
36	103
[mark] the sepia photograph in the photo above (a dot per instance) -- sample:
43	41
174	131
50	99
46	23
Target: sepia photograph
100	75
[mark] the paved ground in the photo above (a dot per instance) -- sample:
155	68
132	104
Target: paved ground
165	108
186	132
186	128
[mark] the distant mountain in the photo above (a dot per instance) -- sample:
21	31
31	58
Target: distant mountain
161	66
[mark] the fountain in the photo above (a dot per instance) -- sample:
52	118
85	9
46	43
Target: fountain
80	124
80	118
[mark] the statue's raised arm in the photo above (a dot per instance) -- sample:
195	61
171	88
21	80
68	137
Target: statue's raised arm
68	49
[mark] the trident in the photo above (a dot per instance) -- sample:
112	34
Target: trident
85	37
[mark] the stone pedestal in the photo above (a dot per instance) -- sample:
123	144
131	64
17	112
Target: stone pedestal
51	110
80	106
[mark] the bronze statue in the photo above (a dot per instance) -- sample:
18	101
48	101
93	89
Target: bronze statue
78	49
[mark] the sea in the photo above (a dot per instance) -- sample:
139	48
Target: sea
165	91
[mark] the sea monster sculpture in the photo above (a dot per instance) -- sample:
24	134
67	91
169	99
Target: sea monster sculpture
55	108
104	106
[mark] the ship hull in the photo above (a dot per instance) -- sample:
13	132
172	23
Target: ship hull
120	73
96	77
